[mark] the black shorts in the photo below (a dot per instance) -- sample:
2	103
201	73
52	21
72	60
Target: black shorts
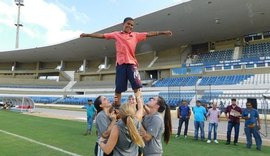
125	73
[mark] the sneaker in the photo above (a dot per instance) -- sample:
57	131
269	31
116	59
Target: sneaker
185	136
259	149
227	143
235	144
216	141
208	141
177	136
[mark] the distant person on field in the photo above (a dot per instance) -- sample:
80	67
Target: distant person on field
213	115
183	113
126	62
252	126
233	114
91	112
199	112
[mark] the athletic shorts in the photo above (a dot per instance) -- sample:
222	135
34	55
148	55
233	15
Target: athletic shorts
125	73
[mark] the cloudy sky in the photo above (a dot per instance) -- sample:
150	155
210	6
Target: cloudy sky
48	22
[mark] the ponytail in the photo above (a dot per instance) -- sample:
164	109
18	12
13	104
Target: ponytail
167	124
167	118
133	132
127	113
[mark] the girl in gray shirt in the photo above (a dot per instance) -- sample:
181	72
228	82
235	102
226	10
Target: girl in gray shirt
154	125
105	120
125	138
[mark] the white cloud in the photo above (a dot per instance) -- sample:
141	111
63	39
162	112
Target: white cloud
80	17
42	20
7	14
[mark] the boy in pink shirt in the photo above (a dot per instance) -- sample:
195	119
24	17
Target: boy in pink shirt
126	62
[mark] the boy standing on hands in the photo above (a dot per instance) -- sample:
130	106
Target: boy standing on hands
126	62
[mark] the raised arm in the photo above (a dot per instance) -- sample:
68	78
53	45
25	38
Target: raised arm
94	35
139	112
157	33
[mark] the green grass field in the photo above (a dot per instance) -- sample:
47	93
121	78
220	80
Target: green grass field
68	135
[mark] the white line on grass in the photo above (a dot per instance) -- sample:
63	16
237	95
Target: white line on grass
40	143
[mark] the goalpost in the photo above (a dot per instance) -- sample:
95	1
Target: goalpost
20	104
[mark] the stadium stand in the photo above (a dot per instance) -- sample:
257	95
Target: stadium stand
215	56
31	83
222	67
256	50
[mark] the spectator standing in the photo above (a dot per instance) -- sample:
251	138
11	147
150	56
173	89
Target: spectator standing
90	112
199	112
252	126
213	115
183	113
233	114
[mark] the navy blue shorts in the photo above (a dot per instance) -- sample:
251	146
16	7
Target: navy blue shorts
125	73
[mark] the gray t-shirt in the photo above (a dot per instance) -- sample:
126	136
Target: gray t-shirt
125	145
102	123
154	125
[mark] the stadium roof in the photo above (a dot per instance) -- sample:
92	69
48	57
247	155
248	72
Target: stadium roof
196	21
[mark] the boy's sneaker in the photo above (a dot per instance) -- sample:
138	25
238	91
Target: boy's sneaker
185	136
208	141
177	136
216	141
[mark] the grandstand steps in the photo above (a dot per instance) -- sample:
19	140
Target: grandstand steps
70	85
237	53
69	75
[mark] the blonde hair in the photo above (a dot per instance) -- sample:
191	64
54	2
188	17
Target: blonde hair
127	113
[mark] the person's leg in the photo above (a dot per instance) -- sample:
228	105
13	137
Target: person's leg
134	78
180	126
90	125
215	130
196	126
248	137
229	131
236	132
210	126
202	130
258	138
120	83
117	98
186	126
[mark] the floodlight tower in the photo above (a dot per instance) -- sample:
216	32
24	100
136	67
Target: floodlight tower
19	3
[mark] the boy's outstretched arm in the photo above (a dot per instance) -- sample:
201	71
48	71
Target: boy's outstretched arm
94	35
157	33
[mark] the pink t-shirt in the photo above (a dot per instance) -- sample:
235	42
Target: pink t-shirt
125	44
213	115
